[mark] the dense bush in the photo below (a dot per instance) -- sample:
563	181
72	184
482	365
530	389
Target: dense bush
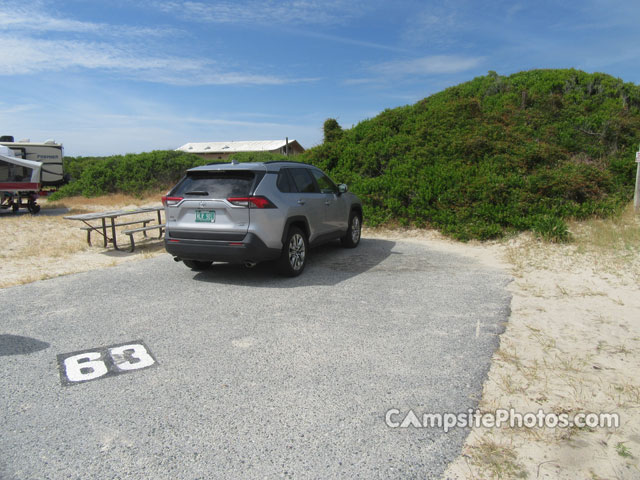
494	155
132	173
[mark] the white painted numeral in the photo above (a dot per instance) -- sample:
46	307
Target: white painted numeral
85	366
135	351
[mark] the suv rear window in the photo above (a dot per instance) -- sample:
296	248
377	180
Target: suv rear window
215	184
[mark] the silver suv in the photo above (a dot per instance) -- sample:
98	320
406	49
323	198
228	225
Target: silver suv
252	212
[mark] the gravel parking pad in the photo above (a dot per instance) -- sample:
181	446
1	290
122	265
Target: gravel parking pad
255	375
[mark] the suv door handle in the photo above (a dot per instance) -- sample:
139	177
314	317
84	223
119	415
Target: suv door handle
328	202
300	202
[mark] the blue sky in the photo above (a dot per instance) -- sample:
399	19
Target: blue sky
106	77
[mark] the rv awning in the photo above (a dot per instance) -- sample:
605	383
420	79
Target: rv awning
6	155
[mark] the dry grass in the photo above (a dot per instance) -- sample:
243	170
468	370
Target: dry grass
609	245
619	234
105	202
46	245
46	237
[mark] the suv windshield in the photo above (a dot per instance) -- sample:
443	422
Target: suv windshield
215	184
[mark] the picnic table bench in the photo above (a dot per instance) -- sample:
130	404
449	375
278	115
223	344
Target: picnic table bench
143	229
104	227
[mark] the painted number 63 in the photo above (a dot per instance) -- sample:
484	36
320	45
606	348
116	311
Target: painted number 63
100	362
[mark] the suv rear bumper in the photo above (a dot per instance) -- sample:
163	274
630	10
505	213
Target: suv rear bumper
249	249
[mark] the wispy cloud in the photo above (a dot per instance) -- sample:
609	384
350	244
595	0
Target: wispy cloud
308	12
347	40
17	17
430	65
21	55
411	69
34	40
435	25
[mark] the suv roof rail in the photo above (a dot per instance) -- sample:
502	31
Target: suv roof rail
265	163
287	161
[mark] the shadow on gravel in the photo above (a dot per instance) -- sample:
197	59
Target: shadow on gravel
18	345
328	264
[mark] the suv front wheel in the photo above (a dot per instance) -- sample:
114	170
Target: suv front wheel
294	253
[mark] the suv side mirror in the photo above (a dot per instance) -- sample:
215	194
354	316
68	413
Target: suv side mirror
342	188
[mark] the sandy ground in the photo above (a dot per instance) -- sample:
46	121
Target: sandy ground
572	344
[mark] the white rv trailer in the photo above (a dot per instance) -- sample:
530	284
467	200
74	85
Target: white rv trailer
49	153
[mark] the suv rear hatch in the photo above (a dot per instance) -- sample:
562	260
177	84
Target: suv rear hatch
205	206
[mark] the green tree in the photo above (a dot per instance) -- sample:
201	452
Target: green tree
332	130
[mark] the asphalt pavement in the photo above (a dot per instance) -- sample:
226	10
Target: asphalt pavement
239	373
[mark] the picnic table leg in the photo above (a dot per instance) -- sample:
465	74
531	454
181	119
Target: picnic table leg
113	233
104	233
89	237
160	223
133	243
144	224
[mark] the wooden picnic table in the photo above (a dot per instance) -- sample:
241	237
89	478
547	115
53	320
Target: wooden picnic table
103	227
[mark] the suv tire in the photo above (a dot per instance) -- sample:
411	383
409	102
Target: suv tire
197	265
294	253
352	237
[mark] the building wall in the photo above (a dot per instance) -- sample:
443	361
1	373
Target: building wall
294	149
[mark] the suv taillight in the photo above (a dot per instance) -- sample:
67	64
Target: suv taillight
170	201
251	202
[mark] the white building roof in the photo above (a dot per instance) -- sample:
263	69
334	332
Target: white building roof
233	147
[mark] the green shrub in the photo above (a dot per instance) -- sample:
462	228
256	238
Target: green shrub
132	173
494	155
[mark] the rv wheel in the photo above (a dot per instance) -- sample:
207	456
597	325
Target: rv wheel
33	208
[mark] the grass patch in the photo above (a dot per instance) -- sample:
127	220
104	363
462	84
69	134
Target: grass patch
619	234
623	450
498	461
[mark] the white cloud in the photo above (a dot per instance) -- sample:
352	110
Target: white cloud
434	25
383	74
33	40
347	40
430	65
294	12
23	55
17	17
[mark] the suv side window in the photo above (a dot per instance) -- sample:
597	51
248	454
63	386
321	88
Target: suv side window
284	182
303	180
324	182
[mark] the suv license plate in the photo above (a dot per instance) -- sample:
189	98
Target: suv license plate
208	216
